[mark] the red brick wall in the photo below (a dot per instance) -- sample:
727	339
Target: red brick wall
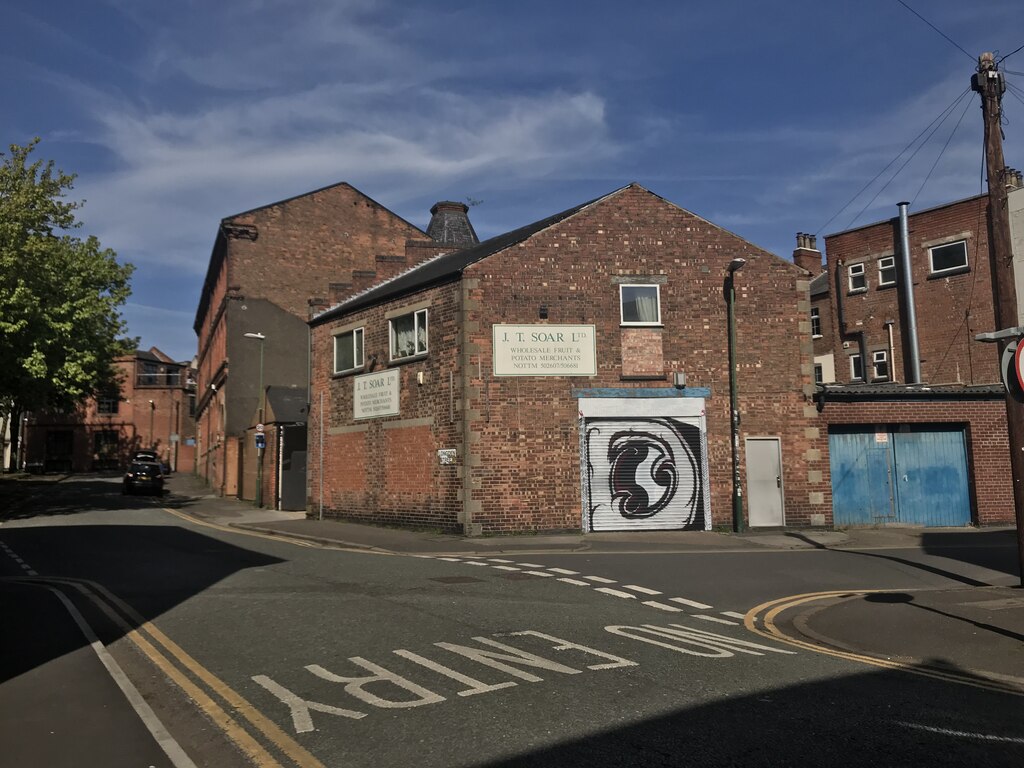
987	443
387	469
950	310
519	457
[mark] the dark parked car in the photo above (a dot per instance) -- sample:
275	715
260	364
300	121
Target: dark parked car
152	456
144	475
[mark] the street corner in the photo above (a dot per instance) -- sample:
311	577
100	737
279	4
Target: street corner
969	635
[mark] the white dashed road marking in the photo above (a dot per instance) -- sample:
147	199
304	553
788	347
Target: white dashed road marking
564	571
576	582
506	567
662	606
691	603
641	590
615	592
714	619
599	579
734	614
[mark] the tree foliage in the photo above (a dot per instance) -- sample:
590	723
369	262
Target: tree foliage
60	295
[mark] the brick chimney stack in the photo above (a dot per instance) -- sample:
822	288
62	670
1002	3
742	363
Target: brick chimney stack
807	254
449	225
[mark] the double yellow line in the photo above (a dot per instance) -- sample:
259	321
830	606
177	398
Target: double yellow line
767	613
223	705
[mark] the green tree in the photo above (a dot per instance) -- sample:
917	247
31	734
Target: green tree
60	295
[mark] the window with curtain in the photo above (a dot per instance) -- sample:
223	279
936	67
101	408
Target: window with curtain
409	335
348	351
640	304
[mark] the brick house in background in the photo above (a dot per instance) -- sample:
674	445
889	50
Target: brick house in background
269	268
153	409
536	382
930	452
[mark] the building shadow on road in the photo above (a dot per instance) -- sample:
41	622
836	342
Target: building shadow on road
153	568
883	718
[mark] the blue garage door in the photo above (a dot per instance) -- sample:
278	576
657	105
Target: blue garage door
908	474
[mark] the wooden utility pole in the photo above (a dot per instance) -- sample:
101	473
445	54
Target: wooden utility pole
988	81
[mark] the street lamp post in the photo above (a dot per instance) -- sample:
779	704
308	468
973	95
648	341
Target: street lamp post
152	410
259	448
734	413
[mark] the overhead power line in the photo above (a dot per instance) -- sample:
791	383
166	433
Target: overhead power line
954	42
941	153
1004	58
938	120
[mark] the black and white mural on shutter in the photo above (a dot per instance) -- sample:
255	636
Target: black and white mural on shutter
645	474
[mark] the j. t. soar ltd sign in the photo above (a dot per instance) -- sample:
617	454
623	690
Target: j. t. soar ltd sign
544	350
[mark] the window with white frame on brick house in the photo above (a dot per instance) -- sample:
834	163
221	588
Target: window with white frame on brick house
857	278
348	351
640	304
880	365
815	322
856	368
948	258
886	271
819	373
408	335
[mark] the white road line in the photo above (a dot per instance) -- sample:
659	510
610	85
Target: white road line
615	592
662	606
641	590
450	559
539	573
476	562
30	572
564	571
505	568
153	724
530	565
714	619
962	734
599	579
576	582
691	603
498	560
734	614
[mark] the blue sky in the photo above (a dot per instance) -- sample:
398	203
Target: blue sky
765	118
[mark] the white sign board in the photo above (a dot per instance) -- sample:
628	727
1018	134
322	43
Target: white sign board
544	350
375	395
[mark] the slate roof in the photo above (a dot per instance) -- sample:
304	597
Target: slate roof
820	285
449	266
865	392
287	404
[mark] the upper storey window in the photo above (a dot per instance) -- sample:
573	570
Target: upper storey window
408	335
858	280
948	258
640	304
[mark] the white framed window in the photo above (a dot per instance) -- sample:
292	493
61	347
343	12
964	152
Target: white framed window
815	322
819	373
348	351
887	271
640	304
108	404
949	257
856	368
857	278
880	364
408	335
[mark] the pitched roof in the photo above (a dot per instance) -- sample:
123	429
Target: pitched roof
449	266
863	392
820	284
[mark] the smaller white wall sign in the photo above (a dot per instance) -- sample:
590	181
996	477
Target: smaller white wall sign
375	395
544	350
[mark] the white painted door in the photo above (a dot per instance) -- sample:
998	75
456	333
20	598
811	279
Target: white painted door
764	482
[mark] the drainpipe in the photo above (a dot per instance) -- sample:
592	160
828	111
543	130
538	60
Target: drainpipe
892	351
907	284
862	344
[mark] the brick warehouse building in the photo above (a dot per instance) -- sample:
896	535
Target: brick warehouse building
927	452
268	267
532	382
151	410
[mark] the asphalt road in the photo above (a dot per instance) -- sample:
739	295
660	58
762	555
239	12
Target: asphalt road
244	649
